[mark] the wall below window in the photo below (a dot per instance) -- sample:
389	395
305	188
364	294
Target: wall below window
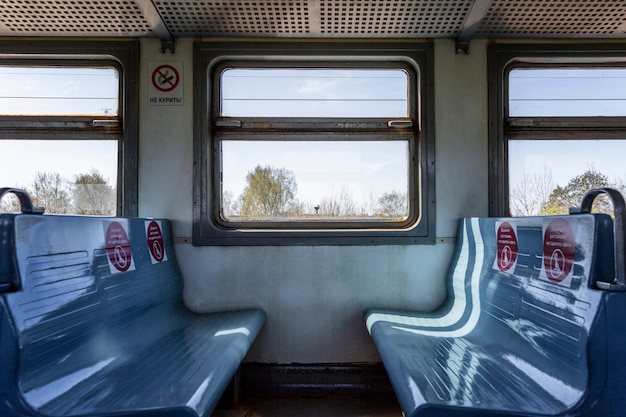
315	295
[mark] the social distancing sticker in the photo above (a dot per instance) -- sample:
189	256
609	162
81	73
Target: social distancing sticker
117	243
559	250
506	237
154	239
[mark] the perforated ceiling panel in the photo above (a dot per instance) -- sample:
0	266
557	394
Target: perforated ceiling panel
72	17
394	18
327	18
461	19
557	18
235	17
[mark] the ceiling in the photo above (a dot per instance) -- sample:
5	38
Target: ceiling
457	19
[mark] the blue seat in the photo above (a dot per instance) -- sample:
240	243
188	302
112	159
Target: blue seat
524	329
92	322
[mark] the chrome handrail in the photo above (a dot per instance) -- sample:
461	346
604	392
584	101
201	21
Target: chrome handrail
25	200
619	232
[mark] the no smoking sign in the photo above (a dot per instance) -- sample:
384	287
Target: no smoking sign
165	85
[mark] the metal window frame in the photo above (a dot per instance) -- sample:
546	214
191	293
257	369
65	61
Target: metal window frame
122	127
209	129
502	58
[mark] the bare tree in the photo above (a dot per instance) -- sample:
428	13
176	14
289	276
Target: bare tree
230	206
531	193
93	195
10	203
620	185
339	204
50	190
393	205
369	206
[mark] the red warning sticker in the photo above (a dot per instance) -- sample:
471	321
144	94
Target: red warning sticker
559	248
117	244
154	238
506	237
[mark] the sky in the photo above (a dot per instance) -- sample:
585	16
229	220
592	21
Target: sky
22	159
567	160
571	92
314	93
58	91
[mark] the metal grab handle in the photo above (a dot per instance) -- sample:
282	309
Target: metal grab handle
25	201
619	233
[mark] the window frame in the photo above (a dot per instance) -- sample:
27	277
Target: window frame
123	127
211	58
502	58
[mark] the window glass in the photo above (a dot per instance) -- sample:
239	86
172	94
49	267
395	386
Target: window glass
314	93
567	92
575	140
315	180
58	91
550	176
64	176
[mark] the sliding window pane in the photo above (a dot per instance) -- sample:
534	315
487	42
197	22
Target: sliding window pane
315	180
64	176
54	91
567	92
550	176
314	93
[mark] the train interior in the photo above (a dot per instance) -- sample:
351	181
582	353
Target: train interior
315	278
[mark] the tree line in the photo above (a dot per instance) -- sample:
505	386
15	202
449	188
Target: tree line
88	193
537	195
271	192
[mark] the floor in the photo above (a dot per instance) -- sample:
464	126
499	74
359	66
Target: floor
328	405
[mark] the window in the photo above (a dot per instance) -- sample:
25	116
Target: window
68	131
558	126
332	145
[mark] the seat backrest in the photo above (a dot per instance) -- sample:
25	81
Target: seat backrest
515	253
537	295
555	260
81	281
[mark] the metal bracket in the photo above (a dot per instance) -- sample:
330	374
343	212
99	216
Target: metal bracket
462	47
168	46
477	12
158	26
